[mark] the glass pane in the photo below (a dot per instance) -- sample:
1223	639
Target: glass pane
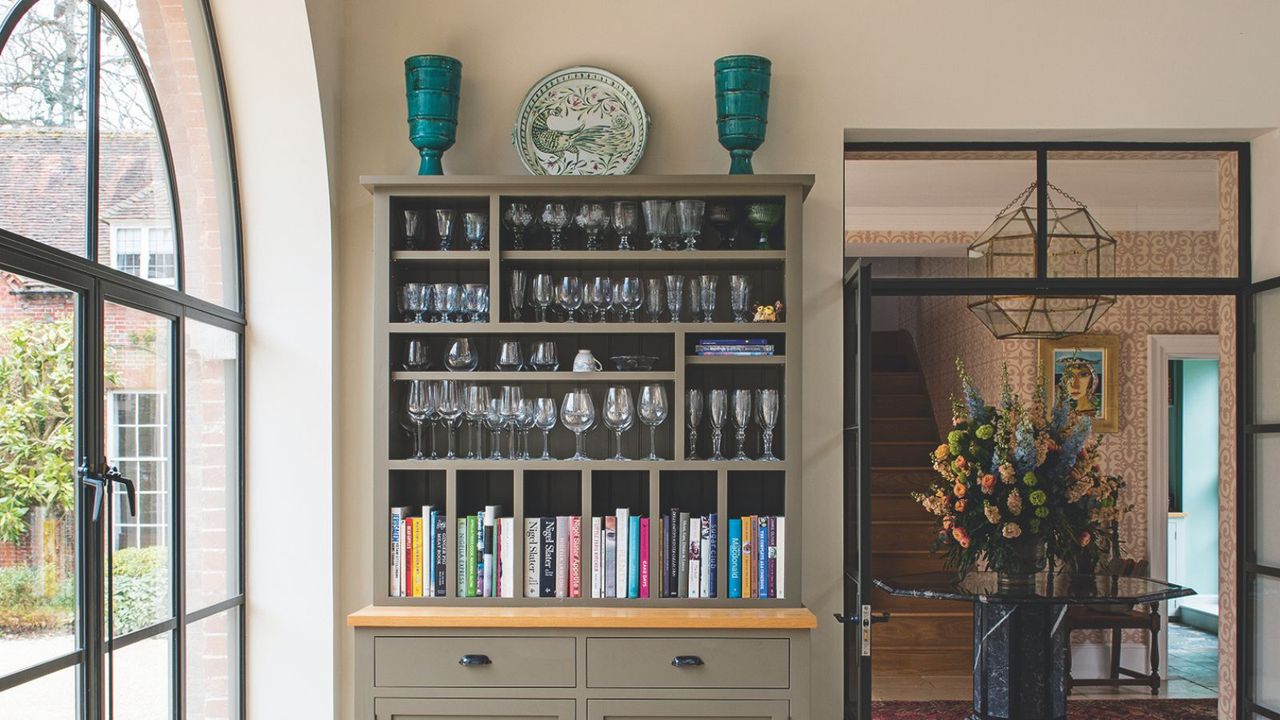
1266	652
138	441
918	213
213	667
37	472
133	177
52	697
1266	359
1172	214
140	679
212	466
1266	456
44	126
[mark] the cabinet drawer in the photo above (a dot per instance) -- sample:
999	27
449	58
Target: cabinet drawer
436	662
709	662
451	709
686	710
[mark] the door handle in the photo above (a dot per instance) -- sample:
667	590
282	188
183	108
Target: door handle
684	661
856	619
87	477
474	660
131	491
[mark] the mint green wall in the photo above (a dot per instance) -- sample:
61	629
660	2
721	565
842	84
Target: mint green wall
1200	472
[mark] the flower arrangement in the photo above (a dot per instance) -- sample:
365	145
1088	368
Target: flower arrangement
1019	481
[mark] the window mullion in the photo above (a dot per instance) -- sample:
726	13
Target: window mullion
178	518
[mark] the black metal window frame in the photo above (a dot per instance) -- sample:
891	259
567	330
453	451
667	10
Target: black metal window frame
94	284
1240	287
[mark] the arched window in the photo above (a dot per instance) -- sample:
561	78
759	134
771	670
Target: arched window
121	365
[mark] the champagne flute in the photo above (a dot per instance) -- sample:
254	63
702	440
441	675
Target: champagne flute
741	406
675	296
708	283
601	292
476	405
569	295
494	422
717	408
619	415
555	216
767	406
509	398
739	297
462	356
543	356
624	222
415	356
517	218
410	228
653	298
695	298
509	357
653	411
433	415
632	296
519	278
543	295
578	414
656	213
444	227
544	418
419	404
694	407
524	423
450	404
475	227
689	213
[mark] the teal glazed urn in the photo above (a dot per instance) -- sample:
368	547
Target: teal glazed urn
432	84
742	107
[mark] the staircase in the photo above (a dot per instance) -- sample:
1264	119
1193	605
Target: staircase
924	637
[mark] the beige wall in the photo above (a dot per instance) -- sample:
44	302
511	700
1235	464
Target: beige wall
840	64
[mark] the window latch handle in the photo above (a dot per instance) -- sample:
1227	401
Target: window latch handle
131	491
95	481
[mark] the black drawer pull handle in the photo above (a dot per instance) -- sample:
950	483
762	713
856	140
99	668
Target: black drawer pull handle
474	660
682	661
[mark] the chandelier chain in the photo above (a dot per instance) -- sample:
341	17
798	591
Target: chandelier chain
1026	193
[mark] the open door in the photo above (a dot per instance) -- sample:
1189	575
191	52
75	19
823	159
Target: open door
1260	501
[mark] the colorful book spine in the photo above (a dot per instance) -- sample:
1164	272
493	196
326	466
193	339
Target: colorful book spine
547	536
397	551
562	556
644	557
506	557
633	556
460	561
532	557
428	551
735	558
748	556
473	561
610	556
488	547
597	558
704	554
782	557
734	341
762	557
682	547
695	557
671	555
709	555
773	557
441	552
622	563
575	556
417	555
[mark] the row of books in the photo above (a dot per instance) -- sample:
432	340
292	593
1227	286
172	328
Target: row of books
689	555
620	555
757	546
486	556
553	556
733	346
418	553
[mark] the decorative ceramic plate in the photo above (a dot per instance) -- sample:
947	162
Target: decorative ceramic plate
580	121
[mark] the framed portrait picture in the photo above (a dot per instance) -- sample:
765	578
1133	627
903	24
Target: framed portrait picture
1090	367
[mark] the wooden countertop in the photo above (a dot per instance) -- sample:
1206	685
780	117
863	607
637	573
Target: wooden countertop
795	618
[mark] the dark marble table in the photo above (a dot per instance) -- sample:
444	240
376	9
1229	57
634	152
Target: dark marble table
1020	644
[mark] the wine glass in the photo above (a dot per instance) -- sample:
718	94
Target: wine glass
569	295
544	418
763	216
675	296
519	278
717	409
410	228
724	218
653	411
619	415
475	301
447	297
578	414
656	213
444	227
449	401
708	290
509	398
653	298
601	292
695	298
463	356
475	407
689	213
433	415
494	421
631	294
740	297
767	405
415	355
543	294
416	298
741	406
517	217
624	222
475	226
555	216
524	423
543	356
509	357
593	217
694	407
419	406
671	230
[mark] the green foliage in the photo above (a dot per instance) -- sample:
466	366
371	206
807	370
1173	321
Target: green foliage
139	583
23	610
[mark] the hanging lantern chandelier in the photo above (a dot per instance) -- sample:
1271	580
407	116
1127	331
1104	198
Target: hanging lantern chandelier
1077	247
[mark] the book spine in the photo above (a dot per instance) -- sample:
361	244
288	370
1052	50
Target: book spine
748	555
473	562
644	557
532	563
735	558
672	553
575	556
441	553
547	533
507	556
782	557
460	562
711	555
633	556
478	540
397	552
704	554
695	557
562	556
417	556
624	550
734	341
682	547
487	542
773	557
610	556
597	558
428	551
762	557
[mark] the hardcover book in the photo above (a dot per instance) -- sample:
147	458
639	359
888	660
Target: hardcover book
473	558
695	557
748	555
562	556
575	556
633	557
773	557
417	555
547	535
610	556
397	551
762	557
704	554
532	557
682	548
441	553
489	547
506	557
782	557
624	552
735	558
597	560
644	557
428	551
709	554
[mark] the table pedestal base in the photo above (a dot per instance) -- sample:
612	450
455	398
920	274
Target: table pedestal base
1020	652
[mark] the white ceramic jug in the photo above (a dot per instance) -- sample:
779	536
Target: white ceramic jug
586	362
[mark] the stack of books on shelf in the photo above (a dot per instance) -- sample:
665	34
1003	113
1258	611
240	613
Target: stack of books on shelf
486	555
553	556
689	555
734	346
620	555
756	552
417	552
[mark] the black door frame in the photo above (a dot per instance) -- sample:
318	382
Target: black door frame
856	616
1239	287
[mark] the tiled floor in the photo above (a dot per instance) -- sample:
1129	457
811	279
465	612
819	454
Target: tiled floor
1193	656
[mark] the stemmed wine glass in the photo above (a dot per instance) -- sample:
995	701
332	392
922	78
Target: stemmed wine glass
419	407
569	295
463	356
447	301
544	418
518	280
433	415
619	415
724	218
689	212
524	423
475	301
494	422
624	222
763	216
509	357
578	414
444	227
593	218
450	404
675	296
695	418
556	217
671	229
653	411
741	417
653	298
509	399
656	213
708	285
542	356
695	298
476	406
601	293
517	218
631	294
717	407
475	226
416	298
415	355
543	295
410	228
739	297
767	405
